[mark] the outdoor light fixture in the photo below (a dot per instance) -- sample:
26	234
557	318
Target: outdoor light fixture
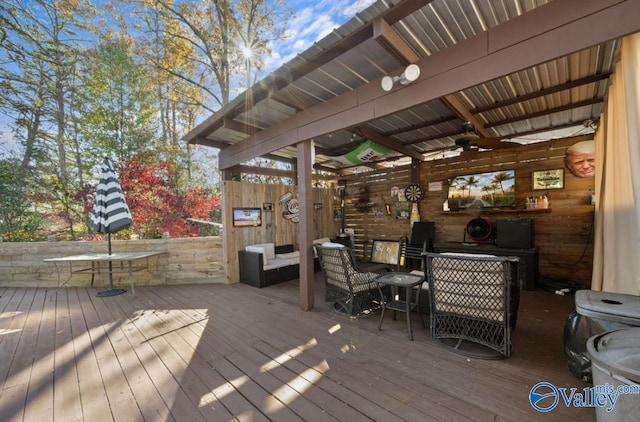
409	75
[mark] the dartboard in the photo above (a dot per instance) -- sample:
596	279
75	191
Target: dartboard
414	192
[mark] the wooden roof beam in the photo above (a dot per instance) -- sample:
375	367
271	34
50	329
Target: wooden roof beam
239	127
456	105
264	171
285	160
537	94
214	143
391	41
384	35
546	112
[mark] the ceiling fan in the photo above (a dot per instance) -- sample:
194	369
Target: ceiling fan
471	139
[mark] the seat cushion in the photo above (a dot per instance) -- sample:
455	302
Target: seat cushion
267	249
279	263
289	255
333	245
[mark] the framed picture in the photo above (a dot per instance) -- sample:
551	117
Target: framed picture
548	179
385	252
435	186
463	194
247	217
402	210
337	212
267	206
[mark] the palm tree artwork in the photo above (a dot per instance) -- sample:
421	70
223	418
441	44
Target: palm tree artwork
492	189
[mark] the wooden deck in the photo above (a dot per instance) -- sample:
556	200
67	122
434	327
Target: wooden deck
234	352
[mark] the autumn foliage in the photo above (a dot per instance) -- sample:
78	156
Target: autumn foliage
155	203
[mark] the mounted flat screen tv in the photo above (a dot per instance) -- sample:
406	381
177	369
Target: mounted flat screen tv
247	217
482	190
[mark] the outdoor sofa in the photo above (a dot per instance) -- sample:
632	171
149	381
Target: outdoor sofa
266	264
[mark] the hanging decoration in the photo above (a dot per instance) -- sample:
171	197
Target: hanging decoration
367	151
291	207
414	192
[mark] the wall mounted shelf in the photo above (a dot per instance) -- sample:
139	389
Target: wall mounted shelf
477	211
364	206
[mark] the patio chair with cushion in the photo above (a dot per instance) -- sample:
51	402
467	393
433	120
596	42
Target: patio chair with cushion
474	302
354	293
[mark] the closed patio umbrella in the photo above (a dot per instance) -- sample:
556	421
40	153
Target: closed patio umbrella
110	213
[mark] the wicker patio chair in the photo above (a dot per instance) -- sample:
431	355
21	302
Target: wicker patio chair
355	294
474	302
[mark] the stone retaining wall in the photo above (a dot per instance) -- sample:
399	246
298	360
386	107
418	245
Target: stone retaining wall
186	261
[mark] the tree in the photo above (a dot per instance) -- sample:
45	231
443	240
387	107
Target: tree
176	99
500	178
489	189
214	40
195	49
18	221
40	49
471	183
155	205
465	184
75	92
117	103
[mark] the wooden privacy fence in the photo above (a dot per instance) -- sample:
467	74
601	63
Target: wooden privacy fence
185	261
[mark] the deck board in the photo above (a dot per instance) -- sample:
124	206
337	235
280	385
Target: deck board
110	346
39	398
237	353
94	398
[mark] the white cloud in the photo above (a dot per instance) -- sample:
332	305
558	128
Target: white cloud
313	21
356	7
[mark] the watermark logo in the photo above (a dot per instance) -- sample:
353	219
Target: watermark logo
544	396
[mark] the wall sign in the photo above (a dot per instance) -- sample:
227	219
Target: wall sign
548	179
435	186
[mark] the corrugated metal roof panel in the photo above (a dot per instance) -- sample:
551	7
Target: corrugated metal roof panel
436	26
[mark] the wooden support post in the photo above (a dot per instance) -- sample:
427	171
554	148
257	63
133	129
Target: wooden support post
306	226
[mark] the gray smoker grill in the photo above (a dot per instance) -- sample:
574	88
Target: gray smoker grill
596	313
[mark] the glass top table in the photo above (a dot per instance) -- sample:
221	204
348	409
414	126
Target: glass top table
408	281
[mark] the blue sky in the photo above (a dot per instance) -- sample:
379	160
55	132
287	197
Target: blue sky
313	21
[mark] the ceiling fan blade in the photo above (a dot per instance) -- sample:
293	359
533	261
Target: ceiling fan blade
471	139
493	143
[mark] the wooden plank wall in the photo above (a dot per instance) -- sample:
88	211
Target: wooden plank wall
564	236
274	228
374	223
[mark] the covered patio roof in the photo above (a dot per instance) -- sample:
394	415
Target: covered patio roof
517	70
512	68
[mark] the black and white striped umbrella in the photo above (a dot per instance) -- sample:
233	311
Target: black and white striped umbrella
110	213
